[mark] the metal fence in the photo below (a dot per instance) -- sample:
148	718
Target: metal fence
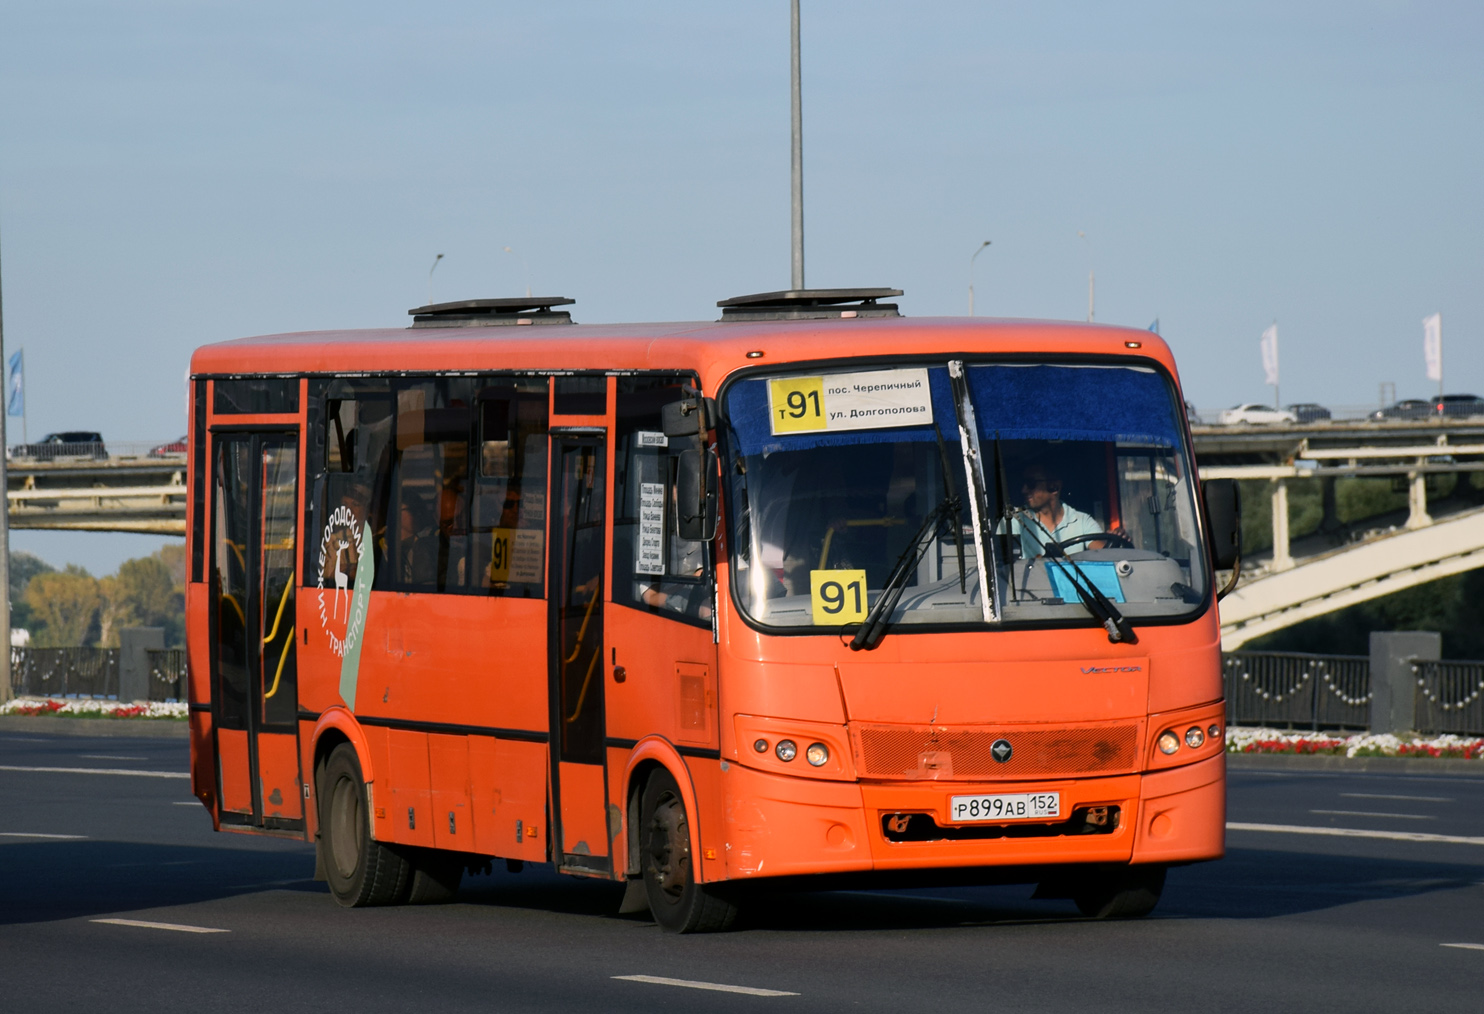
91	672
1293	690
1450	697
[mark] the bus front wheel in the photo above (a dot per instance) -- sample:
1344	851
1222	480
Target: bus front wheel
360	870
678	903
1127	892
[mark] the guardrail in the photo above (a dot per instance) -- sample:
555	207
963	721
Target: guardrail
1295	690
1450	697
91	672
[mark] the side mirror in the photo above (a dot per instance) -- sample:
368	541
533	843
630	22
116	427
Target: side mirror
1223	504
695	495
678	419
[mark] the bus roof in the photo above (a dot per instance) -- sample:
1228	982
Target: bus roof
713	349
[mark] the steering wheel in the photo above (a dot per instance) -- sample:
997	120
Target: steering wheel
1117	537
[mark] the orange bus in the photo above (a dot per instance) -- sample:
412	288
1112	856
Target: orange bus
814	594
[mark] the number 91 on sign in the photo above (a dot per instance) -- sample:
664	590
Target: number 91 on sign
837	596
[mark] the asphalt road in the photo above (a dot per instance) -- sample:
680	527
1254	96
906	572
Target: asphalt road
1287	921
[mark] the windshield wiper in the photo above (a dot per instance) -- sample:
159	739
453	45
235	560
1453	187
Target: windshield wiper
1101	607
873	627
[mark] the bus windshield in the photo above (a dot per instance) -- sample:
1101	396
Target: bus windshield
1074	475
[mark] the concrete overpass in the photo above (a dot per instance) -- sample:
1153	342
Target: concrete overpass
1344	564
123	492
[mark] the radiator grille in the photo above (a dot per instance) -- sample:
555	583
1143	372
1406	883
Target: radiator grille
949	753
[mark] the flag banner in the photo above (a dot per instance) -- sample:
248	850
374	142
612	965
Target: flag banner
1432	346
15	385
1270	355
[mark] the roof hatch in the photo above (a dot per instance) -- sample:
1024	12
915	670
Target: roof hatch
810	304
482	312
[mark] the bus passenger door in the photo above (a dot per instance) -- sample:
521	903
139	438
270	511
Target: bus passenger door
578	532
254	684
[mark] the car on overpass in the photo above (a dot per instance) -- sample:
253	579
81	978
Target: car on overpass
1410	408
1308	412
67	444
1255	414
1459	406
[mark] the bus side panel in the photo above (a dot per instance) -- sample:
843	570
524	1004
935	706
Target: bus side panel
409	802
669	678
458	659
448	761
508	783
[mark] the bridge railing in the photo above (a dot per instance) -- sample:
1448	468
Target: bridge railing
1450	697
90	672
1294	690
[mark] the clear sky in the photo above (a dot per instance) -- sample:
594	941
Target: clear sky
176	173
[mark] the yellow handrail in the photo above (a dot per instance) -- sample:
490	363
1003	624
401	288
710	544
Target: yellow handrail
586	682
288	587
829	535
582	630
279	674
240	614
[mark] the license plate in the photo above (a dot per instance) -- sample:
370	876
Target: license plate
1007	806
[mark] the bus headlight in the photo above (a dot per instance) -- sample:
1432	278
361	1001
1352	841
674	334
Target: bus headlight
1194	737
818	755
760	745
1168	742
786	750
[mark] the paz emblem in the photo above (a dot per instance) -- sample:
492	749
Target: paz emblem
1001	750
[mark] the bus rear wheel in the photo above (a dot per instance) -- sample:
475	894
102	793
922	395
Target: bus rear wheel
359	870
1129	892
435	876
678	903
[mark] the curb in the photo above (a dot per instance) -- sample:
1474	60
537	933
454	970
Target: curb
128	728
1352	765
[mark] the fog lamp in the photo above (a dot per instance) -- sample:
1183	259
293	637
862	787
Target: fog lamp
818	754
1168	742
760	745
786	750
1214	731
1194	737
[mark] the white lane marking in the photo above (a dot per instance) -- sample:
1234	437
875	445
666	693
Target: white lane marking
100	771
111	756
1353	832
717	987
177	927
27	834
1467	947
1371	813
188	803
1382	795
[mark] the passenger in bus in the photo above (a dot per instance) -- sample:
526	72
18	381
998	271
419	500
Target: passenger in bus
682	597
1041	487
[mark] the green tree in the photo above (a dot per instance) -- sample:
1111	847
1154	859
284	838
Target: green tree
145	593
67	603
23	567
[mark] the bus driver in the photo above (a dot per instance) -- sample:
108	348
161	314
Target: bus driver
1041	489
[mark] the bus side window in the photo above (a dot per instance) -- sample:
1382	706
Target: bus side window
654	569
428	527
508	516
348	460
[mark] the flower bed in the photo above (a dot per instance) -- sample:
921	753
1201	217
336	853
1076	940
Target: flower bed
1363	744
84	708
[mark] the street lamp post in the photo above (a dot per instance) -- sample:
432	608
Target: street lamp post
977	252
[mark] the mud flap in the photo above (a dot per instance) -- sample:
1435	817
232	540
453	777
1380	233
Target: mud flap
635	900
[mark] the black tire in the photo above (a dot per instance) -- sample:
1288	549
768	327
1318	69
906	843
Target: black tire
359	870
1129	892
677	902
435	876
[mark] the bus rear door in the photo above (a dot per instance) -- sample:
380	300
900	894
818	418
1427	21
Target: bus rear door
254	686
